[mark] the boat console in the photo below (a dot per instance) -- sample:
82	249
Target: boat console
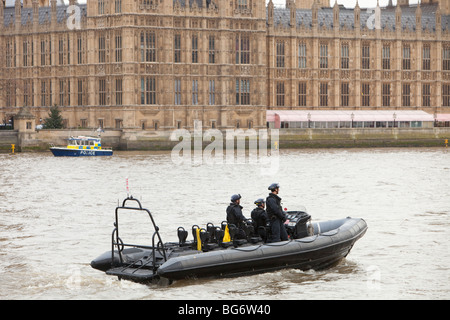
298	224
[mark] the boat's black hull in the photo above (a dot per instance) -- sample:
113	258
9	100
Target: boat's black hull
315	252
300	261
331	242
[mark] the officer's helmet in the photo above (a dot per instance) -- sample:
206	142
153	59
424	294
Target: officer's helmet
235	197
259	202
273	186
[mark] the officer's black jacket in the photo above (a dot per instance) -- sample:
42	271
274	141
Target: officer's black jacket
234	214
259	217
273	207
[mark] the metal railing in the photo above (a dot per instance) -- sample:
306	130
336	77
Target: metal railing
116	241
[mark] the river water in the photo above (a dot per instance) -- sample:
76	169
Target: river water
57	214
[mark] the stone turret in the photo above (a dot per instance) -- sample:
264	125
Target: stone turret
292	14
270	14
398	17
290	3
53	12
24	120
29	3
438	20
357	15
2	10
336	16
315	13
35	6
18	14
445	6
377	22
25	123
307	4
418	17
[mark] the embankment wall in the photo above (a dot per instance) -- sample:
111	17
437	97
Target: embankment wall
127	139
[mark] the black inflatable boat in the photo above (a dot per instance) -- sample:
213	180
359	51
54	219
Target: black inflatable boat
310	246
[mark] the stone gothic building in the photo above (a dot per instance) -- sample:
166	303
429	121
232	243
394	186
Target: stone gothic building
165	64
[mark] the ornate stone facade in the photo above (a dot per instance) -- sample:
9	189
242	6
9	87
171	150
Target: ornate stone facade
398	57
166	64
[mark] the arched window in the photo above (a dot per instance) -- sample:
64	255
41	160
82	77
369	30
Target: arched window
243	5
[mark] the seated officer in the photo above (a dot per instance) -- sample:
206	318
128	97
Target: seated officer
235	216
259	215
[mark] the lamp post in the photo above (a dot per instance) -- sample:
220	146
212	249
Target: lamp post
394	116
353	117
309	120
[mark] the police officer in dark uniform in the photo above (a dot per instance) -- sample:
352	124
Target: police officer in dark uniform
260	219
235	216
276	214
259	215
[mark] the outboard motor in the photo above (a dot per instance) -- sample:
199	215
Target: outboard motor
298	224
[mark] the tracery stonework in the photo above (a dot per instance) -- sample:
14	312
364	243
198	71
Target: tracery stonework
165	64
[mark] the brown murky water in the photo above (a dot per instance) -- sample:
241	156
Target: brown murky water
56	215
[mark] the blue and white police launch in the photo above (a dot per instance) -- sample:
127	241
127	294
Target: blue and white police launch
82	146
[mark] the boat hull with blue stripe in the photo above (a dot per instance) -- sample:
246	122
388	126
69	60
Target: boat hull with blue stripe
82	147
65	152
